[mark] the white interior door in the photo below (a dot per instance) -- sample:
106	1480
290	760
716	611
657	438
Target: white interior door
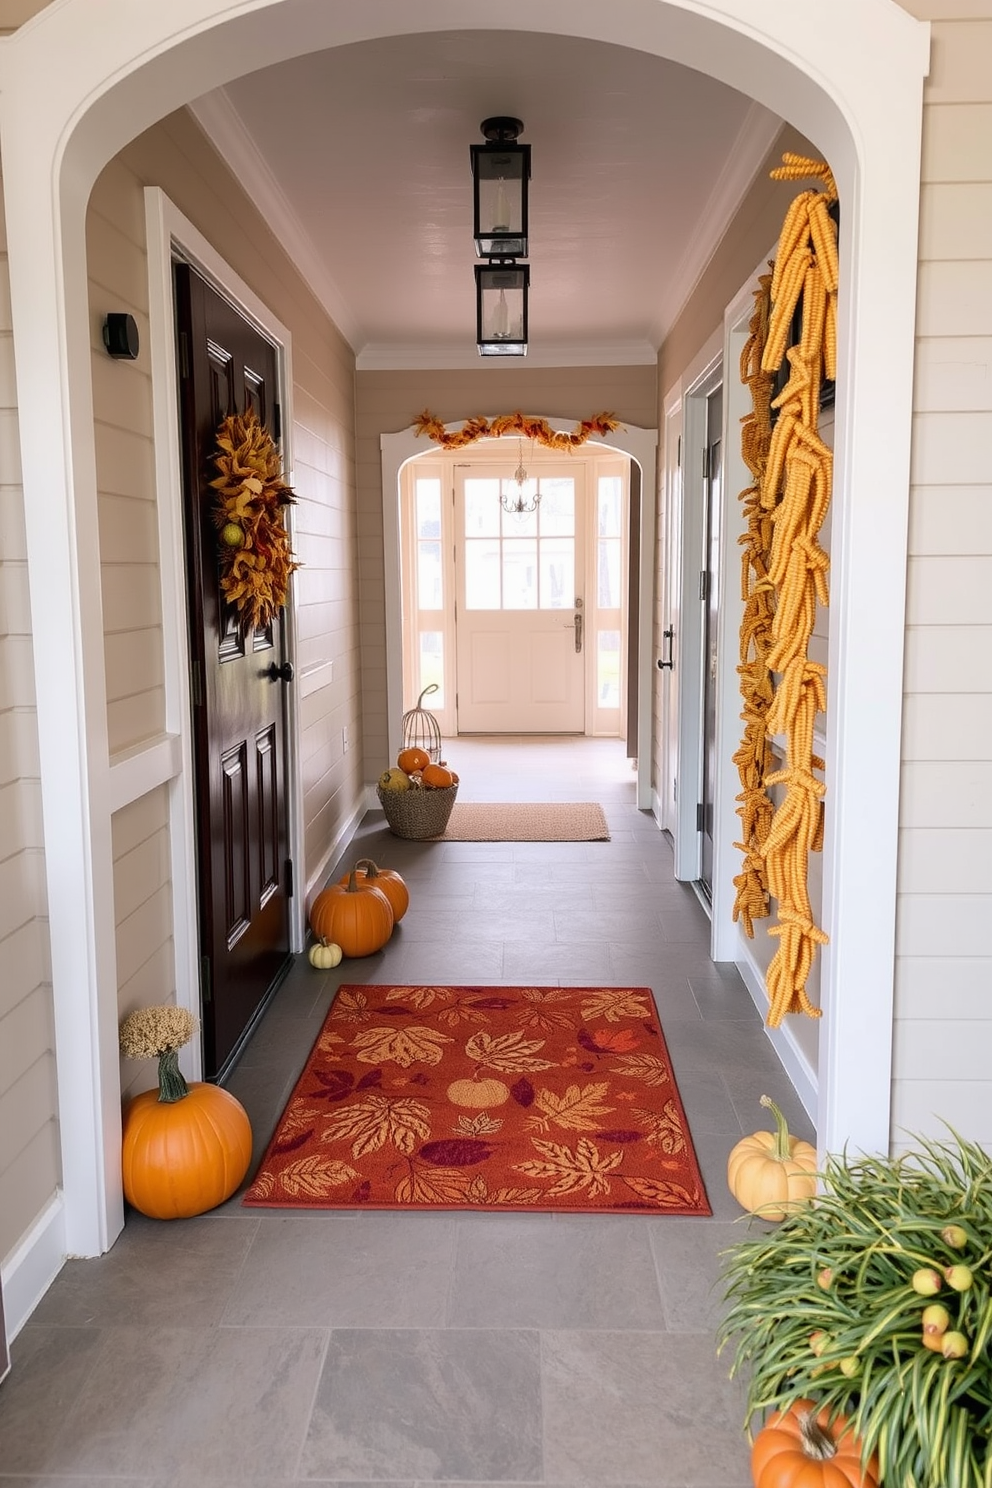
520	621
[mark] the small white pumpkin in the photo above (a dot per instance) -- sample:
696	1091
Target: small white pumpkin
324	954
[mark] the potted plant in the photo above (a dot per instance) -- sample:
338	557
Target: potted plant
874	1303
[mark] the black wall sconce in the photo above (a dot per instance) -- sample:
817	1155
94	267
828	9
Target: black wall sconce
120	336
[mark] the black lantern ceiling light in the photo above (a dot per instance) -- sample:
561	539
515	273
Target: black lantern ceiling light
500	173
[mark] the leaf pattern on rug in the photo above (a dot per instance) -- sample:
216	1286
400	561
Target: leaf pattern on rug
402	1046
350	1006
583	1168
511	1053
551	1104
315	1176
377	1120
646	1067
577	1110
615	1003
664	1127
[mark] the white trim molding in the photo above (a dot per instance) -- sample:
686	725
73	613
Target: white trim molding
72	95
640	445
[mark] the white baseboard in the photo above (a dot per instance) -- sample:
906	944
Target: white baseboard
317	879
33	1265
793	1060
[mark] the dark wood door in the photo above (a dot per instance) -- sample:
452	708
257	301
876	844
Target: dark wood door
238	684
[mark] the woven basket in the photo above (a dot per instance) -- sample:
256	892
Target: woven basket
418	814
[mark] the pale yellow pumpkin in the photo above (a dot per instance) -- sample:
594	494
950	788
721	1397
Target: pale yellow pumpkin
479	1094
324	954
772	1173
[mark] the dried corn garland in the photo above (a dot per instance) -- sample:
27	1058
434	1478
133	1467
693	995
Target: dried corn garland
255	556
795	492
754	755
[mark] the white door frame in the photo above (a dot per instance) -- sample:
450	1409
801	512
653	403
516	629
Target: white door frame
641	445
73	94
704	375
170	234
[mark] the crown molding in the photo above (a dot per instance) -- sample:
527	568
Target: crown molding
227	132
755	138
382	357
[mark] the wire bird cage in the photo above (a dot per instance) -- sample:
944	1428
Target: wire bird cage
420	728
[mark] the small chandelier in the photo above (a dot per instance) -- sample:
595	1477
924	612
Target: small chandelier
520	505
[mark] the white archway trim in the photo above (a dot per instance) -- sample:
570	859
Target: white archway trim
71	95
641	445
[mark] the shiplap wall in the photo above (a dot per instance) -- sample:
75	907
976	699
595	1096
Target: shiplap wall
176	156
388	402
943	1030
30	1165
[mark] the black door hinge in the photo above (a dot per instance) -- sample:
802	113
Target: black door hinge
206	981
704	586
276	422
183	355
288	877
197	681
700	817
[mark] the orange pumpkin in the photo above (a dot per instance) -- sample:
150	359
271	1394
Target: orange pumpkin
772	1173
387	880
412	759
799	1448
436	777
184	1156
357	917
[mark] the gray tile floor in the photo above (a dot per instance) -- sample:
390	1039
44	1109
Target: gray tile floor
278	1348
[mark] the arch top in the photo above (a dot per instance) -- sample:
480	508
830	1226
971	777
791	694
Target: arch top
87	91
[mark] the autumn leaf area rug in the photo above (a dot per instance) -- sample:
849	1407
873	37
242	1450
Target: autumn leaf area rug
490	1098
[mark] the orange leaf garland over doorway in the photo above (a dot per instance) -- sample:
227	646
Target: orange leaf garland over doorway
491	1098
514	423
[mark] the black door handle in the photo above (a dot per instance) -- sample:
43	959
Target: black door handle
282	673
667	660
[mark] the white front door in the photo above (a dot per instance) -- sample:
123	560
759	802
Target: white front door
520	619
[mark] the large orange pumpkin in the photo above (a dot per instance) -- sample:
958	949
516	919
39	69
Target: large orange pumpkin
800	1448
387	880
184	1156
356	917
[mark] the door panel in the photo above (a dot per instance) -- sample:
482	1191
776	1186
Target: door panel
520	668
238	700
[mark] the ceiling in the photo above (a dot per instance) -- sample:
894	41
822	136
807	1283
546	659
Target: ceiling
359	157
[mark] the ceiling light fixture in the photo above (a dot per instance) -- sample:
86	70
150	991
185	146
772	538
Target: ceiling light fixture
520	505
500	173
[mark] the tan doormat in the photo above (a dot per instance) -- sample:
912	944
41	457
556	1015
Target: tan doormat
549	821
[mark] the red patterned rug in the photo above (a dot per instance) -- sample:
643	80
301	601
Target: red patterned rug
550	1098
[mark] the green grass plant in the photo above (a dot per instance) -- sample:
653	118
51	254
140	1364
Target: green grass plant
825	1307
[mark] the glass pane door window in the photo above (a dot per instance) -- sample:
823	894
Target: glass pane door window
519	560
427	589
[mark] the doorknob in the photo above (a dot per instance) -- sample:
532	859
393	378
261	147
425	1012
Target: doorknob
282	673
578	631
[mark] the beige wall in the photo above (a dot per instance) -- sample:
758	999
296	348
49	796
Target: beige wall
388	402
30	1166
943	1028
175	156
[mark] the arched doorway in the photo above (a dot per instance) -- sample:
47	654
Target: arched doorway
68	100
639	445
